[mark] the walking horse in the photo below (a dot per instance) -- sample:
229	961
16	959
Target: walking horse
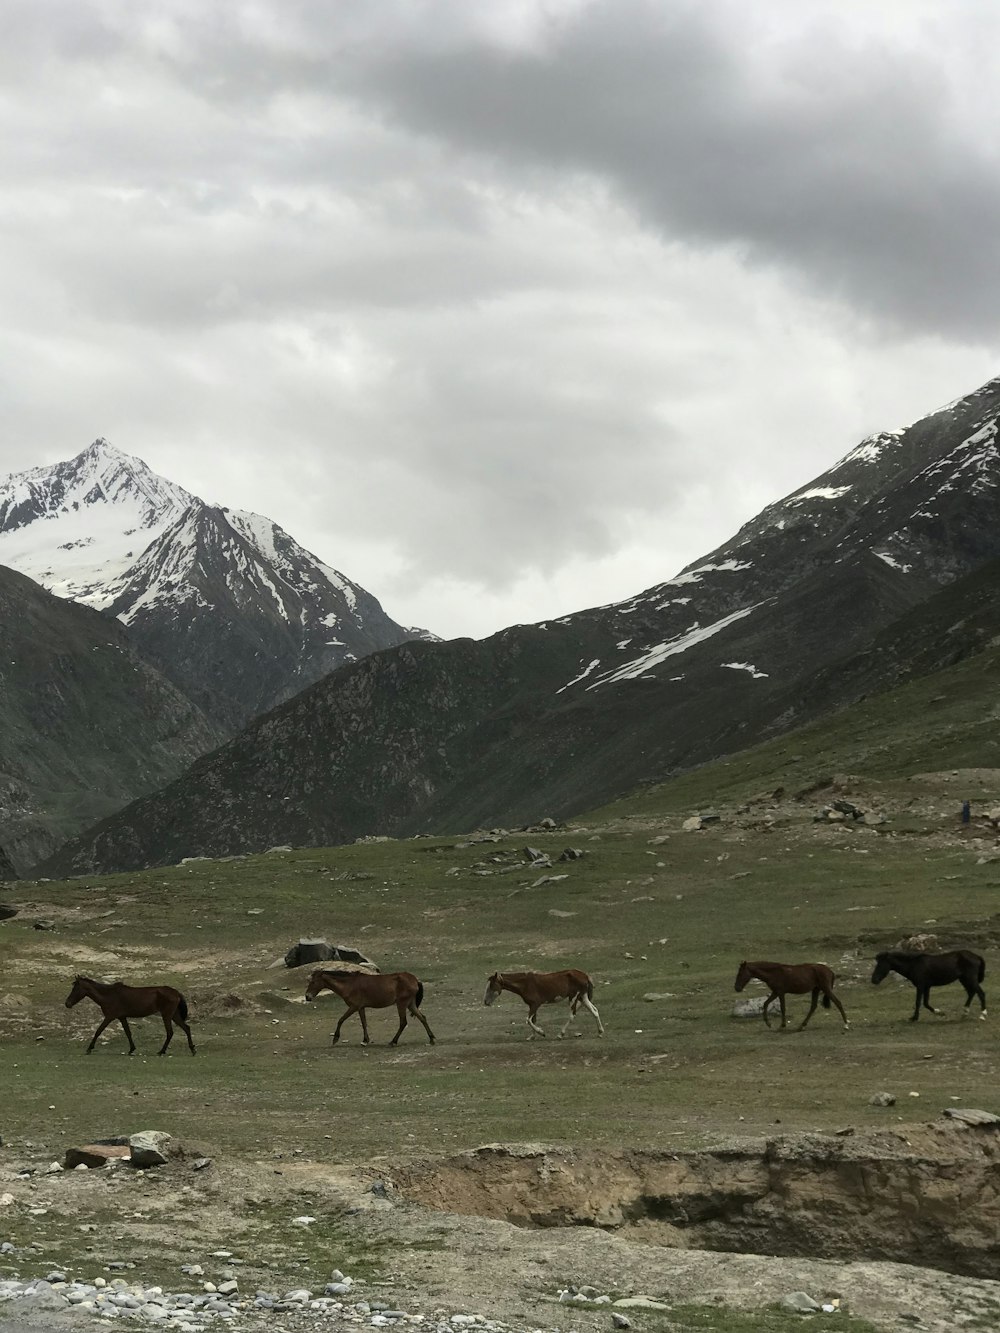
119	1003
538	988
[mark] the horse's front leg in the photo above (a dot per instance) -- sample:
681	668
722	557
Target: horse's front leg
128	1033
401	1009
927	1001
343	1018
767	1004
916	1009
784	1012
812	1008
100	1028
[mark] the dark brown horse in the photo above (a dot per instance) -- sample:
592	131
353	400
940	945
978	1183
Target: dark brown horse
925	970
119	1002
538	988
361	991
793	979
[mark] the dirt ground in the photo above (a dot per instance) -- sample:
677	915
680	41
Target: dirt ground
425	1260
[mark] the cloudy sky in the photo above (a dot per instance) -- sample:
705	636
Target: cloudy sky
504	308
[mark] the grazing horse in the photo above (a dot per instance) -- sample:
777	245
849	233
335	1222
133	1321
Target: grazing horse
361	991
793	979
120	1002
538	988
925	970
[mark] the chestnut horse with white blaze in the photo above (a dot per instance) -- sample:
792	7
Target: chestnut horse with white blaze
538	988
793	979
361	991
119	1003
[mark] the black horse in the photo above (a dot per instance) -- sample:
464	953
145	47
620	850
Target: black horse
935	969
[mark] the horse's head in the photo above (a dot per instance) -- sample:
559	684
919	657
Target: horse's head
494	988
883	966
743	975
316	984
77	993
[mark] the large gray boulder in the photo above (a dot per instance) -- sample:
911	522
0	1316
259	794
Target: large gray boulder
318	951
149	1147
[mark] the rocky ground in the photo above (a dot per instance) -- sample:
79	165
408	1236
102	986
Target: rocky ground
293	1244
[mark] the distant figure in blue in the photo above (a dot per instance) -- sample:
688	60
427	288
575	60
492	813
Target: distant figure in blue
966	812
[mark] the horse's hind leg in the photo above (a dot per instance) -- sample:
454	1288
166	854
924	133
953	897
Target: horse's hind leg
170	1034
532	1024
834	1000
401	1009
128	1033
784	1012
812	1008
187	1032
570	1016
589	1004
419	1016
100	1029
367	1041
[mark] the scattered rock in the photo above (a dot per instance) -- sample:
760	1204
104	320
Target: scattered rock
800	1301
751	1008
651	996
95	1155
7	911
572	854
693	825
920	943
882	1099
620	1320
968	1116
148	1148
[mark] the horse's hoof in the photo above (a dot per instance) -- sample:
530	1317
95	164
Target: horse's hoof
982	1015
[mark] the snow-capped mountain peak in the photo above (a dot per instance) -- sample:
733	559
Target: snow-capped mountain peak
76	526
226	602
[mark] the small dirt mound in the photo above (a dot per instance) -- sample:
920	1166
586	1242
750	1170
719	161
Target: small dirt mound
213	1004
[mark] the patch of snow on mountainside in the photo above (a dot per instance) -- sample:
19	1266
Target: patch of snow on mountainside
582	676
892	562
670	648
870	449
746	666
818	493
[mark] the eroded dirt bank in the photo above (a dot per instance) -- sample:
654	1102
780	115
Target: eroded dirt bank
926	1195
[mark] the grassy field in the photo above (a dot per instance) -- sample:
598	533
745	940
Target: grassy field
670	918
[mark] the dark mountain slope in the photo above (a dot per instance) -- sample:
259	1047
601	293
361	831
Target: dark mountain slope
85	724
242	617
554	718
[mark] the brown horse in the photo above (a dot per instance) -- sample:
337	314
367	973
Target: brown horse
361	991
538	988
793	979
120	1002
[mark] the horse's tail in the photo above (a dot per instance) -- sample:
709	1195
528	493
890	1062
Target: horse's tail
418	999
182	1009
590	989
982	970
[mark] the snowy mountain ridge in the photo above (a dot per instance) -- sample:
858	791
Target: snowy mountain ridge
224	601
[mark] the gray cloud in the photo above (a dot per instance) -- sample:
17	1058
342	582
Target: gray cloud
505	310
